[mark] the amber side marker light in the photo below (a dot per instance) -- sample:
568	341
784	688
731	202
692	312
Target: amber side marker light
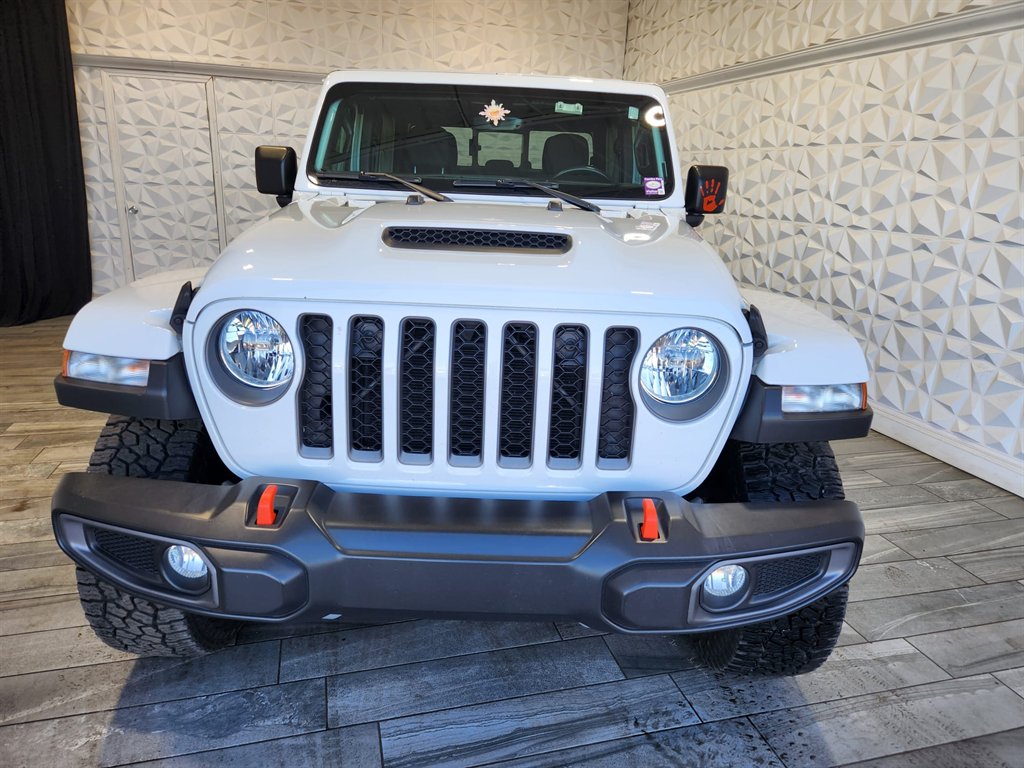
64	363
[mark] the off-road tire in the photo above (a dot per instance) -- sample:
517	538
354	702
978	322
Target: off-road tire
774	472
801	641
162	450
159	449
136	625
794	644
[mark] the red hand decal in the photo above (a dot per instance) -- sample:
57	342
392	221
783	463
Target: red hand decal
709	194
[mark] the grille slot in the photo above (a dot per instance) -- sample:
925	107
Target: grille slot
618	411
476	239
416	391
131	552
466	408
783	573
518	393
568	397
365	387
316	416
344	388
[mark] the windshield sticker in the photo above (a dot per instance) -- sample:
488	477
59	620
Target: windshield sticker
654	185
568	109
633	113
494	113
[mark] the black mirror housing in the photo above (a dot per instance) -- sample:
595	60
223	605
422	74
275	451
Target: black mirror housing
706	186
276	168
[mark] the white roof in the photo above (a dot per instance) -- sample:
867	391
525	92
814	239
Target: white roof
552	82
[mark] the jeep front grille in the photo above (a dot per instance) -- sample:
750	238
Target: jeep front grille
568	396
615	437
316	415
518	392
466	403
418	348
365	387
416	391
450	239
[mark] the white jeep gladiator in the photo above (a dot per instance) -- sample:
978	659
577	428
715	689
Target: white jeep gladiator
480	364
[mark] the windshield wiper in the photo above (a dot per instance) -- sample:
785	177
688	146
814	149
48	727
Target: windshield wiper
552	190
382	176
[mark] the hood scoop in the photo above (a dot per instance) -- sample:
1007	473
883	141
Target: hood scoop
452	239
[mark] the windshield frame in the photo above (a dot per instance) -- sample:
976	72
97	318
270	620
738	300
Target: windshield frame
615	90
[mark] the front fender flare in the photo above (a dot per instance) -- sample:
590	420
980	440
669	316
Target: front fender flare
133	321
804	345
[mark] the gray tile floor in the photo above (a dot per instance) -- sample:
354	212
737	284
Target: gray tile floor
930	672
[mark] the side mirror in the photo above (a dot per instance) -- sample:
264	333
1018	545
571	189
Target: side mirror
705	191
276	168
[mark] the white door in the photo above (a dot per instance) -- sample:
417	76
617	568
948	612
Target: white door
163	159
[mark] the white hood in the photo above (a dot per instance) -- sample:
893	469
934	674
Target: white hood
325	249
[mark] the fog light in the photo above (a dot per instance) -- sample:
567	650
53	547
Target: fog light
186	562
726	581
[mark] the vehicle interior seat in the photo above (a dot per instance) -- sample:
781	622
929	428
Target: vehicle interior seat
564	151
432	154
499	167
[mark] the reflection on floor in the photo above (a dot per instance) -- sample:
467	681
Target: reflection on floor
930	673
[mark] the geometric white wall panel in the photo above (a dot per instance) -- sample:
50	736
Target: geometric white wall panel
577	37
250	113
104	223
670	39
888	192
166	169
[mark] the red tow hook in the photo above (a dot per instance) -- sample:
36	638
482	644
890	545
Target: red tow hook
265	514
649	526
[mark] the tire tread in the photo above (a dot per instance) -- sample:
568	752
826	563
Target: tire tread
162	450
801	641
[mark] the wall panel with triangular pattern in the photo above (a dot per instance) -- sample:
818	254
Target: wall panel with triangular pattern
886	190
577	37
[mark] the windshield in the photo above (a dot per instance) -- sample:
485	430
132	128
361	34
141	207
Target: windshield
589	144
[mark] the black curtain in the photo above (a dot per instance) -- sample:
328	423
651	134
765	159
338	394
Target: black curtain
44	240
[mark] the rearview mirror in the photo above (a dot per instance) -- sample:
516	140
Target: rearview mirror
705	191
276	168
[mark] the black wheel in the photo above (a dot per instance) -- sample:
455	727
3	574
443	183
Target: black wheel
800	641
162	450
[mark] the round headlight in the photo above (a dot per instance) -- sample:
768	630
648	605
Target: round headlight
680	366
256	350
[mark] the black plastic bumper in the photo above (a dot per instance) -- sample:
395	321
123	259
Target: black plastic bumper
357	556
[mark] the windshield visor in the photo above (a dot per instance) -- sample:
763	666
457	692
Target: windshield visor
599	145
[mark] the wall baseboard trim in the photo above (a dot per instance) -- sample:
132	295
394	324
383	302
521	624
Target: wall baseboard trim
959	26
990	465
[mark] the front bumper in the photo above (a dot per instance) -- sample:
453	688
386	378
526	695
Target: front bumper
353	556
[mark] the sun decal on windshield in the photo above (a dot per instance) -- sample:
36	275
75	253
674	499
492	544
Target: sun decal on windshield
494	113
